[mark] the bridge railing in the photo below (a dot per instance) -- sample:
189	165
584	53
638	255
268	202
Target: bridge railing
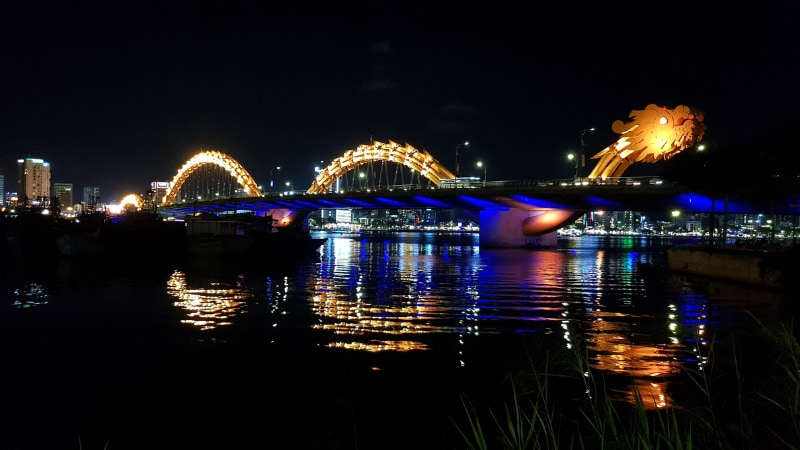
619	181
475	183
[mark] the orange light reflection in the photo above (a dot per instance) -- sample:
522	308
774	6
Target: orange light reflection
207	308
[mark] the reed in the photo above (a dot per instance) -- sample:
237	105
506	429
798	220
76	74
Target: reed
735	403
80	444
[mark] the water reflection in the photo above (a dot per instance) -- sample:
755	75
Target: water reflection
622	321
388	294
381	293
210	306
432	293
32	294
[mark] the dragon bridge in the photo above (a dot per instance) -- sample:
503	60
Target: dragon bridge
420	161
216	159
655	133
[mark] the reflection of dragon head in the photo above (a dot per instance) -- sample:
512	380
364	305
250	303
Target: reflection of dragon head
655	133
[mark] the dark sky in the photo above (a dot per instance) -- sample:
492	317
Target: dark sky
119	96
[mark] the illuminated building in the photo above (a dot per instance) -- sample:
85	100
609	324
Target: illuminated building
63	192
159	190
33	177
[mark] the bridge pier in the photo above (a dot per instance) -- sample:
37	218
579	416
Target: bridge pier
502	228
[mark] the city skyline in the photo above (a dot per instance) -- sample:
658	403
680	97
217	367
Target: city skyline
119	99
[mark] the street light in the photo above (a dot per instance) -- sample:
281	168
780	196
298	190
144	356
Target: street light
289	186
675	214
481	164
270	177
464	144
583	153
572	157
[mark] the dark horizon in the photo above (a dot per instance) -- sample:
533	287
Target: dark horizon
119	97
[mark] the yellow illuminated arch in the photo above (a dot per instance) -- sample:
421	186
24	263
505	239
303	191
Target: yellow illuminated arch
419	160
217	158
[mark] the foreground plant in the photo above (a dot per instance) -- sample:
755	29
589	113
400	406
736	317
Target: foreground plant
731	407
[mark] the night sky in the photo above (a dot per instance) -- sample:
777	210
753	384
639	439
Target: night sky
118	96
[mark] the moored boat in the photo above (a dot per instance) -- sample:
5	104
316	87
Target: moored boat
245	235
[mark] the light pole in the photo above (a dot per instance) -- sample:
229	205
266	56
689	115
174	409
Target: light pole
572	157
675	214
582	161
289	186
458	147
481	164
270	178
361	181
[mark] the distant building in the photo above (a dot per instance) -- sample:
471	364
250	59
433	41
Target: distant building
91	195
2	190
63	192
159	191
33	177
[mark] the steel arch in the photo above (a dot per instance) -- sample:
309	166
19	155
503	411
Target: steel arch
419	160
211	157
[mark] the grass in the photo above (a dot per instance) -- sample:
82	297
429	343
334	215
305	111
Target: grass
80	444
731	405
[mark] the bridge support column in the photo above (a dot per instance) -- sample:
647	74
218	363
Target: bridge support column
502	228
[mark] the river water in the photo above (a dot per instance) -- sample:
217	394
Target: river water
375	342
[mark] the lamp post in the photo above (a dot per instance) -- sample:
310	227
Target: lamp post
458	147
289	186
481	164
582	161
270	178
675	214
572	157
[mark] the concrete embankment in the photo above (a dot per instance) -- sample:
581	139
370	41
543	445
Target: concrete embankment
769	268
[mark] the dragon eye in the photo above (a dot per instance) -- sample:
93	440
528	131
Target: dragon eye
662	120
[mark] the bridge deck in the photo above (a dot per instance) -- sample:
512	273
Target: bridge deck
629	194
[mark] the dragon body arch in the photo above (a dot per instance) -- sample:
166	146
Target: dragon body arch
418	160
217	158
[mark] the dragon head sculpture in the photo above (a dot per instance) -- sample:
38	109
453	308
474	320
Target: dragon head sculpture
654	133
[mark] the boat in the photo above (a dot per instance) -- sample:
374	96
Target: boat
214	236
128	234
246	235
288	244
74	243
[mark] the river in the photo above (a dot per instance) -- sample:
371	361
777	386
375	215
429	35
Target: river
376	342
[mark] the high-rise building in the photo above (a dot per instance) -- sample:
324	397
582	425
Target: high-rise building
91	195
2	191
33	177
63	192
159	191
